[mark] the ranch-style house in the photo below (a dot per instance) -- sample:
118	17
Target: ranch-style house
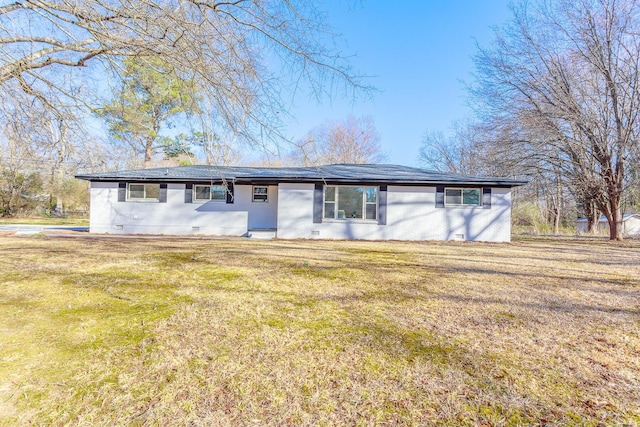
340	201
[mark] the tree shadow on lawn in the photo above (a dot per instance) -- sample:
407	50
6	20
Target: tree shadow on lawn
541	262
518	270
395	293
563	306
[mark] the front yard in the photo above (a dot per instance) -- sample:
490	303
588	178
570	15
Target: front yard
240	332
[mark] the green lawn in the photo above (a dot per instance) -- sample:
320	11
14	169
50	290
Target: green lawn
238	332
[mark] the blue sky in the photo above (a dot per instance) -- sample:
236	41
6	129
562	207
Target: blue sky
419	56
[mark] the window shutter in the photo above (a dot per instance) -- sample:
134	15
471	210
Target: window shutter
188	193
230	193
163	193
486	198
439	197
122	191
317	203
382	205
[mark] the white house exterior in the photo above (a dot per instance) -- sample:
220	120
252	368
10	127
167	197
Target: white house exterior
371	202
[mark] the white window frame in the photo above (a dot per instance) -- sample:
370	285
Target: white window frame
254	194
364	202
195	193
145	198
462	190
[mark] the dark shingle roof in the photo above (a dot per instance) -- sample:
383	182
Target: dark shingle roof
337	173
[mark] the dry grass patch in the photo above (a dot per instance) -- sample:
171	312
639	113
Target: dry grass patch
171	332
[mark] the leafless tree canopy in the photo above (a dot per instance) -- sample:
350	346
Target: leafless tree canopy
354	140
469	150
242	53
564	78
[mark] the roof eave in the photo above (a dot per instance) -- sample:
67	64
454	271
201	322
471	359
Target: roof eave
336	180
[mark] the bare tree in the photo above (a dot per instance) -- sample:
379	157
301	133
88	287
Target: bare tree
48	143
466	150
566	74
354	140
243	54
20	183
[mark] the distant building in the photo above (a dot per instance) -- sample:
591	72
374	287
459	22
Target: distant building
630	225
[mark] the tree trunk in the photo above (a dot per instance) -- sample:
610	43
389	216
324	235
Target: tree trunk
593	217
593	220
615	219
59	211
148	152
52	193
613	212
558	211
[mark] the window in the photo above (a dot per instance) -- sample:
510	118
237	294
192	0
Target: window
149	192
260	194
462	196
346	202
216	193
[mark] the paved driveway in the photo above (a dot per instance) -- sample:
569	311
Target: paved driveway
33	229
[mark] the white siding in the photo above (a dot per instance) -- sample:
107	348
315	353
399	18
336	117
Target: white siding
295	211
411	215
632	225
177	217
261	215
